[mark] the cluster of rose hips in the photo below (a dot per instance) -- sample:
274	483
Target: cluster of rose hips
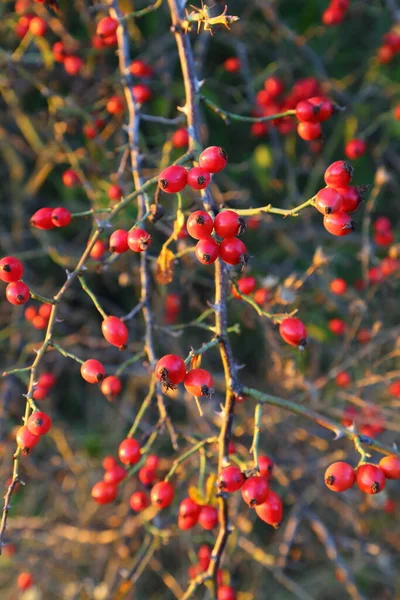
370	478
174	178
11	271
336	12
338	199
247	285
390	47
93	371
369	421
311	113
43	386
49	218
38	424
224	592
170	370
383	233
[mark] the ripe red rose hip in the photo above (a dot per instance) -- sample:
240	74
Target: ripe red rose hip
173	179
61	217
92	371
115	475
11	269
229	224
337	326
207	250
199	382
106	26
115	192
26	440
139	239
115	105
370	479
141	92
246	286
139	501
111	386
233	251
73	64
190	511
119	241
198	178
162	494
339	223
104	492
255	490
231	479
42	219
338	174
129	451
309	131
213	159
39	423
208	517
324	107
200	225
115	332
17	293
328	200
294	332
340	476
180	138
24	581
98	250
338	286
271	511
226	592
70	178
390	465
306	112
147	476
265	466
170	370
355	149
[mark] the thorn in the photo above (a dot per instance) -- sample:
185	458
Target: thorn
84	268
338	435
182	109
59	320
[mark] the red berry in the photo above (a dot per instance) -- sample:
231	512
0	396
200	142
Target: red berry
115	332
38	26
233	251
139	68
208	517
337	326
232	64
73	64
266	466
328	200
370	479
231	479
384	239
246	286
351	198
324	107
104	492
152	462
24	581
189	512
30	313
338	174
332	16
228	224
389	266
39	423
180	138
92	371
198	178
339	223
139	239
199	382
45	310
207	250
119	241
106	26
200	225
170	370
397	112
129	451
40	392
111	386
226	592
259	129
307	112
90	131
355	149
173	179
385	54
115	475
382	225
70	178
17	293
141	93
343	379
274	86
139	501
11	269
293	331
42	219
271	511
109	463
47	380
115	105
162	494
26	440
61	217
204	556
339	476
98	250
39	322
390	465
115	192
147	476
255	490
213	159
309	131
338	286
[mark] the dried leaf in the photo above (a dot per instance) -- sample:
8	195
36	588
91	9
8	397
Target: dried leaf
165	266
196	495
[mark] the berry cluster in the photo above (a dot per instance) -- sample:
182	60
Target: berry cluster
336	12
311	113
38	424
170	370
48	218
370	478
390	47
11	271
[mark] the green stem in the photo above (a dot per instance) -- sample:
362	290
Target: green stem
65	353
257	430
145	404
15	371
43	299
190	452
293	212
91	295
92	211
132	360
144	11
226	115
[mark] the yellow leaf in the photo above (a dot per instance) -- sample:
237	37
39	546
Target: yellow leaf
196	495
263	156
165	266
195	361
178	223
211	490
